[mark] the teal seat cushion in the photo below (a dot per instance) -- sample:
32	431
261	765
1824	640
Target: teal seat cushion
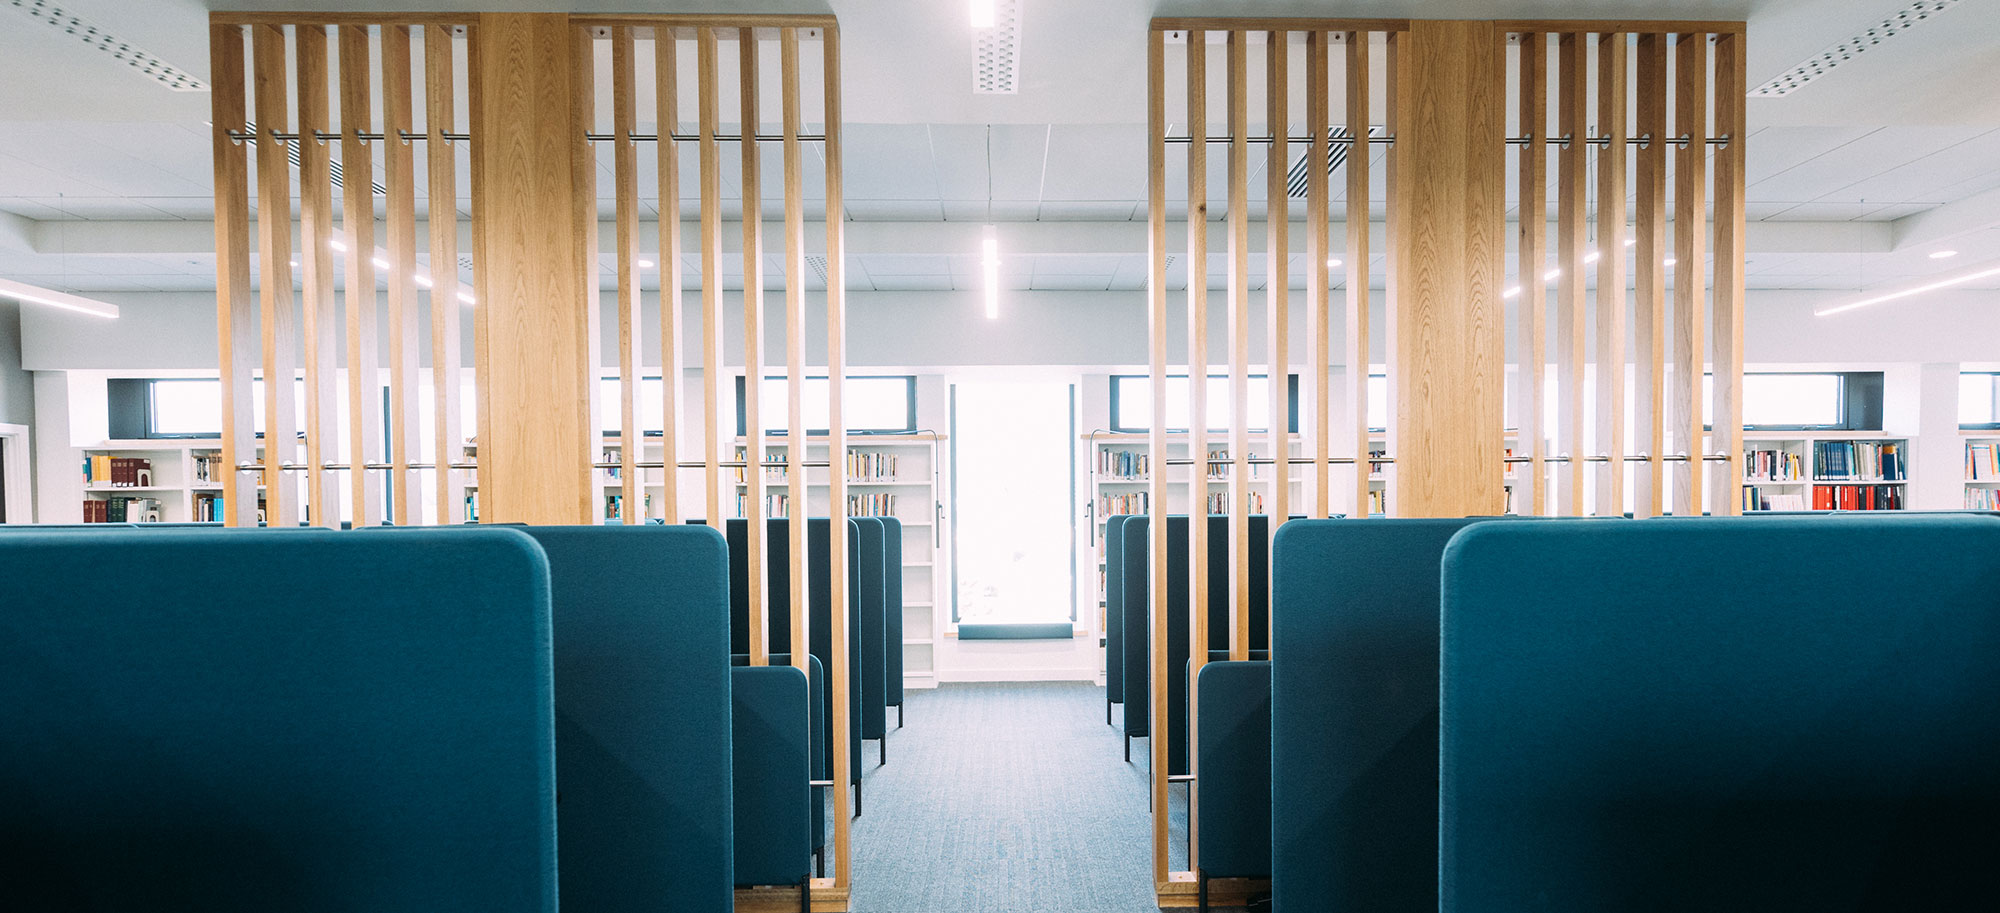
1722	714
772	741
259	720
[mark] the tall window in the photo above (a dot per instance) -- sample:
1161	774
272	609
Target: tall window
1979	400
1132	403
1012	483
869	405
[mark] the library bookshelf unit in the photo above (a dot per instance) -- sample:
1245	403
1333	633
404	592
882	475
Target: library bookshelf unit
1982	470
888	475
1839	470
138	481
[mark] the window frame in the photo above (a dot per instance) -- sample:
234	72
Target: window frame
1292	403
1982	426
1859	401
909	406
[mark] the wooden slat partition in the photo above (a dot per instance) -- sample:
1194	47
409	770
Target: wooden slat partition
707	79
405	329
625	183
753	354
1690	253
1726	307
1319	276
1277	313
1197	374
585	352
319	319
1156	434
1359	359
795	335
1572	120
447	357
274	246
357	220
235	307
1531	260
1612	99
666	118
1239	357
1649	276
836	452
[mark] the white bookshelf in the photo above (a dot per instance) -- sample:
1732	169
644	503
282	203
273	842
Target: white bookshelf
1794	490
1982	481
176	482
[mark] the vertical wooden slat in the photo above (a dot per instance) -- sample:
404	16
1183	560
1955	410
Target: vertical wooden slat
482	280
795	343
319	320
1611	101
1572	125
1649	277
405	329
711	278
1532	249
1319	339
836	449
235	306
274	247
357	220
1359	358
1239	354
666	81
753	357
625	184
1197	316
441	158
1726	307
1277	165
589	349
1156	434
1690	211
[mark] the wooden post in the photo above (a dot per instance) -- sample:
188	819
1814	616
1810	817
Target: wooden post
666	80
1726	307
320	323
625	181
1532	260
1649	276
274	246
1572	189
795	347
1690	252
754	508
446	355
1611	101
1359	349
235	306
1239	353
405	329
1156	435
1319	316
1197	318
1278	318
357	221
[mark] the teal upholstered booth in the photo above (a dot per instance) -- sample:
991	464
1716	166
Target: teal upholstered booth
1354	710
871	625
1234	748
1114	614
305	723
892	601
773	790
1775	715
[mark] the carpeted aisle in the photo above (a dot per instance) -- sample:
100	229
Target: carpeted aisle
1004	798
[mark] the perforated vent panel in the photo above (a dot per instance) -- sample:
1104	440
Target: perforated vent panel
996	51
146	64
1817	65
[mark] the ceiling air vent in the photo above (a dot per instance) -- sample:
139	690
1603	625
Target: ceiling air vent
1295	177
818	265
996	51
149	66
1817	65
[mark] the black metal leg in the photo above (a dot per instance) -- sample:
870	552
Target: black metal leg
1201	891
857	797
1107	708
806	897
819	862
1128	749
899	716
883	746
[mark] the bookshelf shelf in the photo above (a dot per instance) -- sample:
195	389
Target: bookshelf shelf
176	473
1839	470
1982	469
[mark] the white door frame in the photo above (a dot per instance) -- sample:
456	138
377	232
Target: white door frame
15	446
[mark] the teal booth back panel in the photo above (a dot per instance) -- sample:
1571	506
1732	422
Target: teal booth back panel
1114	609
871	624
772	739
1354	714
276	722
1234	802
892	602
1775	715
641	618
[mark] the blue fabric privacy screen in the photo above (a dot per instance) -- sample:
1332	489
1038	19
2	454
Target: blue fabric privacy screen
871	625
772	761
642	685
1114	613
307	723
1234	801
1780	714
892	601
1354	714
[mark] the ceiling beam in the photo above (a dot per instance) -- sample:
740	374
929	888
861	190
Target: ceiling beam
1978	212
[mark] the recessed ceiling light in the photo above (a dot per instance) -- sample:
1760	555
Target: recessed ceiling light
1551	274
983	13
1942	254
336	244
1670	261
1591	257
1631	241
1333	261
379	262
645	264
295	264
1512	292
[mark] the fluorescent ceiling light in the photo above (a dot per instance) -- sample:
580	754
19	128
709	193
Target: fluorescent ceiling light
989	263
1943	254
1591	257
423	280
1333	261
1551	275
35	294
1670	261
1514	292
379	262
336	244
984	13
645	264
1905	293
465	296
1631	241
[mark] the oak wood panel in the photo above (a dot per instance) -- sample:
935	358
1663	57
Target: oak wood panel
1319	337
1532	261
836	373
1198	444
1690	211
405	324
1359	351
1612	98
711	266
1572	198
1649	275
666	95
357	222
1726	307
795	336
274	247
1156	434
1277	313
535	431
1268	24
625	193
447	359
1447	190
1628	26
319	317
753	356
1239	355
235	306
587	353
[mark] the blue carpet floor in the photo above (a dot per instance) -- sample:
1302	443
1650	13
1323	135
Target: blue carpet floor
1006	798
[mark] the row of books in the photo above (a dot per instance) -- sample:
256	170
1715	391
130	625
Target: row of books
1857	497
122	509
868	466
1221	470
103	469
1123	464
1137	502
207	509
1982	461
1860	461
871	505
1773	466
1982	499
775	505
1218	503
1378	502
472	506
208	468
614	506
1755	499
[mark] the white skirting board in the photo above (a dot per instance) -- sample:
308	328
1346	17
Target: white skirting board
1085	674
